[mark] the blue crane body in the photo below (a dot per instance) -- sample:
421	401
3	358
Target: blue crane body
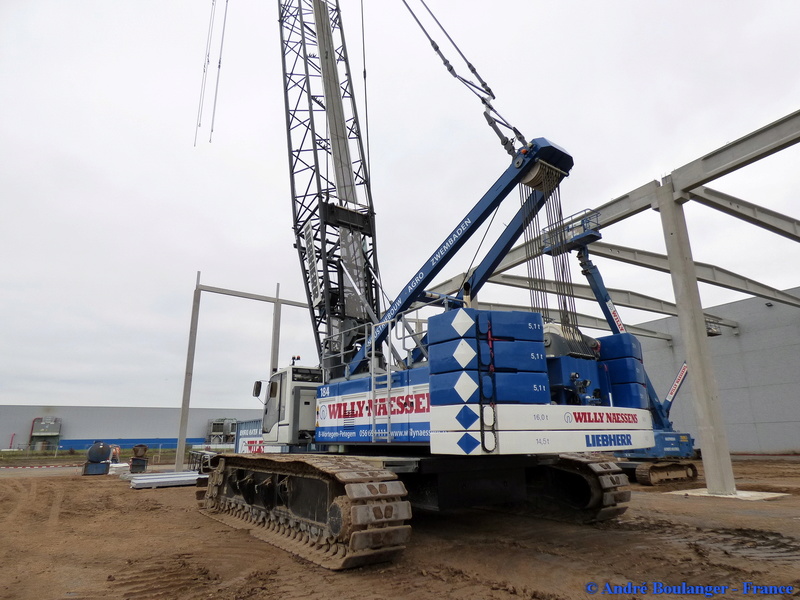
484	407
488	386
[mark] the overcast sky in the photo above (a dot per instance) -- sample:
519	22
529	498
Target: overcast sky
109	209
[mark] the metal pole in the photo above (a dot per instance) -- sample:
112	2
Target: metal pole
708	413
276	331
187	382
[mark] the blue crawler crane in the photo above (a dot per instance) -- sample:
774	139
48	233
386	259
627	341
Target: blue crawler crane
484	407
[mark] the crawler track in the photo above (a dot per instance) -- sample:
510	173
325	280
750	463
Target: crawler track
579	489
664	472
338	512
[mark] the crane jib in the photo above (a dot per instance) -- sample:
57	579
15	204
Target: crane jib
539	149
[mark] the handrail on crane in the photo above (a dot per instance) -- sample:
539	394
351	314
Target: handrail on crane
571	233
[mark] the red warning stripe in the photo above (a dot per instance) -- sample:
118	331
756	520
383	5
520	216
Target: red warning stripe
41	466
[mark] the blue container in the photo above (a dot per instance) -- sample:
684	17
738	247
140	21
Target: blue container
96	468
620	345
629	395
625	370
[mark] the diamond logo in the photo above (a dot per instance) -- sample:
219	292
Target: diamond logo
466	417
464	353
462	322
465	386
468	443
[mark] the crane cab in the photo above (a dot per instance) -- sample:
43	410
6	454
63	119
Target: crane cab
290	406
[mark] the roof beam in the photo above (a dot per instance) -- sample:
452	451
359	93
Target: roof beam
618	297
742	152
587	321
611	212
754	214
628	205
705	272
248	296
746	150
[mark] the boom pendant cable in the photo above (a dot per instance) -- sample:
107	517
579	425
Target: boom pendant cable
206	62
472	69
219	68
366	102
481	89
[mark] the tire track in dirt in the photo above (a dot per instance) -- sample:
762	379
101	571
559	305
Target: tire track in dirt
374	583
55	507
608	552
20	498
751	544
170	577
10	489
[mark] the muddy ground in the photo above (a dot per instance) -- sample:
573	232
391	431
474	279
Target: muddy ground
67	536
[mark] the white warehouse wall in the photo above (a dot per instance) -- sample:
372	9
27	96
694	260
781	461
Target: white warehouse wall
110	423
757	371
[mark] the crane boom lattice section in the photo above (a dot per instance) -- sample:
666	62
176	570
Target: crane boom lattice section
333	216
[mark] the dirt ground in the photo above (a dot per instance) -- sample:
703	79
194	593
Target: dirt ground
87	538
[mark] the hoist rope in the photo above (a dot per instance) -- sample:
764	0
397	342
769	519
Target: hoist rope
206	62
534	257
565	294
538	301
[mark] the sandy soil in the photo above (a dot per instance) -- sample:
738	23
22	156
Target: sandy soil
67	536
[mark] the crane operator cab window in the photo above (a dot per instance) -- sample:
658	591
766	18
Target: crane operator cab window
274	407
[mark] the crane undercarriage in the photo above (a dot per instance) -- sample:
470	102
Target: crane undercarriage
342	512
336	511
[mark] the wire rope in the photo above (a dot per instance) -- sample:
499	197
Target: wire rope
467	273
482	90
219	69
366	99
205	70
470	66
